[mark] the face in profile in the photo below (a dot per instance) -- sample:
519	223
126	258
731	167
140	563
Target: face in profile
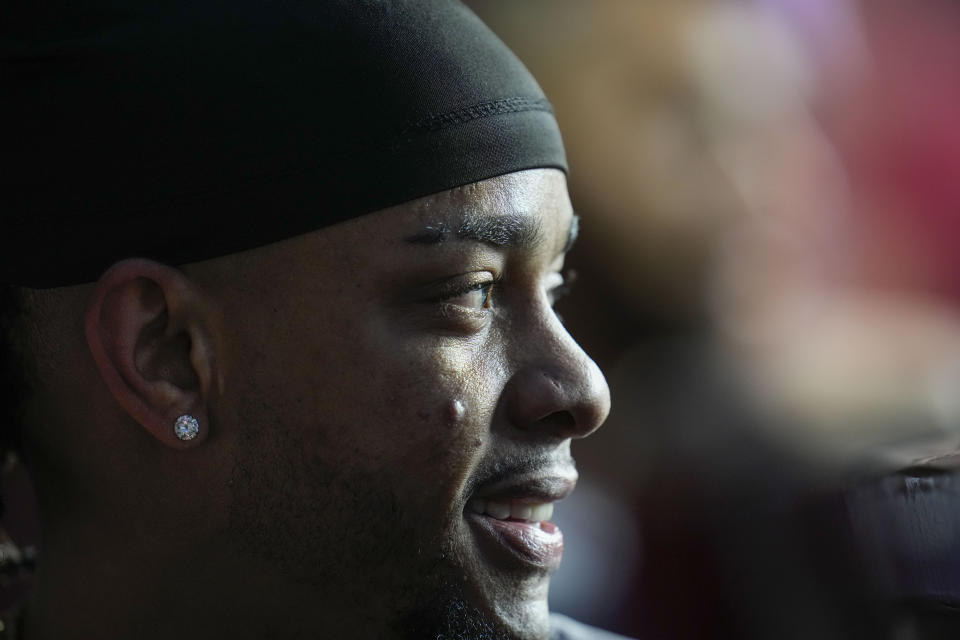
404	398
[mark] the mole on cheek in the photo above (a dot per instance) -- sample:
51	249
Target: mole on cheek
455	412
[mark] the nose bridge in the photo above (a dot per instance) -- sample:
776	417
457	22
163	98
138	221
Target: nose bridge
556	388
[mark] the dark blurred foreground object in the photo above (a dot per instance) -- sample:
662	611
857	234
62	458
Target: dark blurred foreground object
747	537
907	525
759	554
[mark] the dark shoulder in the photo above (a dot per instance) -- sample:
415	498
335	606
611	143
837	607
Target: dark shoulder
564	628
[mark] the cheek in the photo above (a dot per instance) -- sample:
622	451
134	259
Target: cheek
439	409
439	415
390	401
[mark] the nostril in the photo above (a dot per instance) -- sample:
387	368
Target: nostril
560	422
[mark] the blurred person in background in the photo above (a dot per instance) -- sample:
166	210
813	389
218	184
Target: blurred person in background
761	170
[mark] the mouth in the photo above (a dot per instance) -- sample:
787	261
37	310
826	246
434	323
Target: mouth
512	517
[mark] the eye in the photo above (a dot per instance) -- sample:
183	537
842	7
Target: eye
476	296
471	293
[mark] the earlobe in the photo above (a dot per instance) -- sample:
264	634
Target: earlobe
147	331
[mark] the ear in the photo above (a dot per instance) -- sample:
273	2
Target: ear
147	327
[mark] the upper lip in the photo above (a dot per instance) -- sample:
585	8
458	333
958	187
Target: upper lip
544	486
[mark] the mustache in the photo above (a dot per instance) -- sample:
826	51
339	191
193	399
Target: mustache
503	469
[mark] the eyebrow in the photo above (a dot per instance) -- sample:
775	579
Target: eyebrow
505	231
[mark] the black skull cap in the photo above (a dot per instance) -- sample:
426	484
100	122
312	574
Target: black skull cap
191	129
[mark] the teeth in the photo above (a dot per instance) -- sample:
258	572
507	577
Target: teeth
498	510
541	512
514	509
520	511
478	505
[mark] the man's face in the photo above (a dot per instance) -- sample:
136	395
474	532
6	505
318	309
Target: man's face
405	397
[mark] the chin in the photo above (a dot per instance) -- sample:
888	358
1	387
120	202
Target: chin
526	620
513	601
475	597
453	613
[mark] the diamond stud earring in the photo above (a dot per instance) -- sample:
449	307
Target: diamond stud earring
186	427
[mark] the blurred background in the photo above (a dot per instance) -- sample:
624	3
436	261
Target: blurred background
768	274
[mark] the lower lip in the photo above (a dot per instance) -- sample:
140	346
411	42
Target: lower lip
536	543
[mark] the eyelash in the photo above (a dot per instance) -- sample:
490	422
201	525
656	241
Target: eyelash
482	285
556	293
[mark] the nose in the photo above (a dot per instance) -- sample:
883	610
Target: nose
556	391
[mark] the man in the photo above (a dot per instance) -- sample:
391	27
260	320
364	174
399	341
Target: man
347	411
